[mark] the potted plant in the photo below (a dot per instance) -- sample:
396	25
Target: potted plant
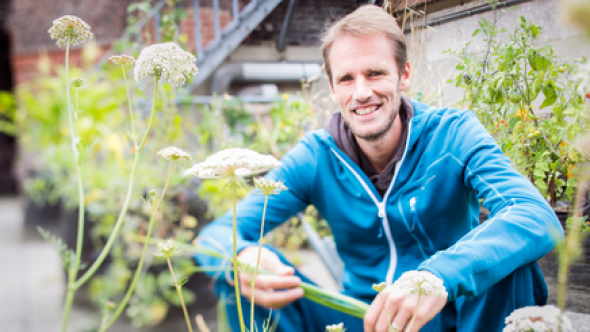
530	102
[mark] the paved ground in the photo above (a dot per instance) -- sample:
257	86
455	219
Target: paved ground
32	285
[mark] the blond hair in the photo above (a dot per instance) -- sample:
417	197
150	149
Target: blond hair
367	20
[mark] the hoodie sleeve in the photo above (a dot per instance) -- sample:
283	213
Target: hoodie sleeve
521	228
297	171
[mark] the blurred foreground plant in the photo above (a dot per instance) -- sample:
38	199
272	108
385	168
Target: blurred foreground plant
162	62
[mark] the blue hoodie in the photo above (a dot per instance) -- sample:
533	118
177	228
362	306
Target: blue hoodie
427	219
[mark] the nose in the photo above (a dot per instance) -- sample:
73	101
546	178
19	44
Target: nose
362	92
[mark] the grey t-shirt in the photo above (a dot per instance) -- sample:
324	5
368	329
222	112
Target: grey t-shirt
346	142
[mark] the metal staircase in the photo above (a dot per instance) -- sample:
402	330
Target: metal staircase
226	41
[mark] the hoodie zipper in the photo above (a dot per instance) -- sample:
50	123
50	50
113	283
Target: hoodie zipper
381	206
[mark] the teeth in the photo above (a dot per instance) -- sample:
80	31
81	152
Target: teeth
367	110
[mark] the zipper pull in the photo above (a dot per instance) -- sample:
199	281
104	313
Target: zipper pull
381	209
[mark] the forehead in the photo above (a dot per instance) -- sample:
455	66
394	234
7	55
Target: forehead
349	53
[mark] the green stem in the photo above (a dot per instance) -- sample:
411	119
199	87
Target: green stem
330	299
188	321
235	259
139	268
415	311
130	108
123	213
257	265
73	268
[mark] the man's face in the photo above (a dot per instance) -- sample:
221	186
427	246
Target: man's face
366	84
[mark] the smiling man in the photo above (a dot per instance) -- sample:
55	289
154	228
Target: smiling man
399	183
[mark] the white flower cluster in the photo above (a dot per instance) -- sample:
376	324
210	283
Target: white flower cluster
173	154
269	186
335	327
538	319
427	284
69	29
167	249
122	59
166	61
233	162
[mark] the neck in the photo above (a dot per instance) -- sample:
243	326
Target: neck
380	152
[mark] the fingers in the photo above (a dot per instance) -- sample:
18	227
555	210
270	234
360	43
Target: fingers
272	292
268	261
393	304
396	309
402	318
373	313
276	299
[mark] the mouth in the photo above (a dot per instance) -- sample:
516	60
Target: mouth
365	110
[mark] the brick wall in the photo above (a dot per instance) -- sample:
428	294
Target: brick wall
30	20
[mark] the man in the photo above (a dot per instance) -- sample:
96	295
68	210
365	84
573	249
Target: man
399	184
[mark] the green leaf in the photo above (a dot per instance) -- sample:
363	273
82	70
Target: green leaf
550	96
475	32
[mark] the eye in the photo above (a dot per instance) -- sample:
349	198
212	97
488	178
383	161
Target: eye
375	73
345	78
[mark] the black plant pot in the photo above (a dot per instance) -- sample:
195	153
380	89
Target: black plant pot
45	215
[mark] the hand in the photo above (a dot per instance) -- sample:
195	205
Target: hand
400	310
271	291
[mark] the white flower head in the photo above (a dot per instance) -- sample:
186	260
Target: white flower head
233	162
269	186
167	249
414	282
122	59
539	319
173	154
335	328
70	29
167	62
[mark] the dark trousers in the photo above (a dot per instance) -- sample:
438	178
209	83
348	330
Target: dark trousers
485	312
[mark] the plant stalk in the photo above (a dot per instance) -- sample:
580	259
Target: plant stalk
103	254
188	321
415	311
139	268
257	264
73	268
235	259
130	108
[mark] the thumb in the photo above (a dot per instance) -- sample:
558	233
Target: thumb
275	265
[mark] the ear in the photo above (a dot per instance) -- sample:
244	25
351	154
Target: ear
404	80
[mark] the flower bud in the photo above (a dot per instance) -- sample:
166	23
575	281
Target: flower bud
335	328
167	249
379	287
122	59
77	82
